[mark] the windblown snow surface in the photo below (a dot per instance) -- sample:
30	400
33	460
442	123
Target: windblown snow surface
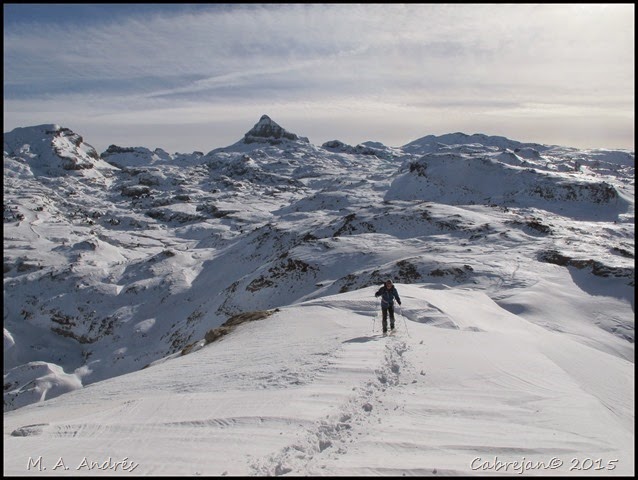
214	314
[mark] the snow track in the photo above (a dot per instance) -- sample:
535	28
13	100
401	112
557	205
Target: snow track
331	437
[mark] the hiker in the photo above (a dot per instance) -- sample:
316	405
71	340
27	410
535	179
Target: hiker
388	293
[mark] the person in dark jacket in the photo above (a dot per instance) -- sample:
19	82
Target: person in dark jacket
388	293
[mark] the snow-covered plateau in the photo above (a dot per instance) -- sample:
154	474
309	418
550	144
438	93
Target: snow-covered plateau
214	314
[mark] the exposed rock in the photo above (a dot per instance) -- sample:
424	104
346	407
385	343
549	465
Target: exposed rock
267	131
230	324
597	268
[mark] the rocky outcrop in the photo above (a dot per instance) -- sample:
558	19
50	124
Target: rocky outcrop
268	131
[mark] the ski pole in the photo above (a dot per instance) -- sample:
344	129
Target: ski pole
375	316
404	321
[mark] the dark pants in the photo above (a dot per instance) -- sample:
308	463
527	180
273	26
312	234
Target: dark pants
385	310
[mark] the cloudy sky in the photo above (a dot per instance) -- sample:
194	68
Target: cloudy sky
196	77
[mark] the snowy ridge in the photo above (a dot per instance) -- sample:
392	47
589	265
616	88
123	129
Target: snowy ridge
130	259
477	140
56	151
313	390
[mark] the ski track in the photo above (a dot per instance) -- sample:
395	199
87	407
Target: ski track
331	437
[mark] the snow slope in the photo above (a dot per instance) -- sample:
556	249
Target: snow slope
515	262
313	390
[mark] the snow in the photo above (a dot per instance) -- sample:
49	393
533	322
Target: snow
313	390
130	278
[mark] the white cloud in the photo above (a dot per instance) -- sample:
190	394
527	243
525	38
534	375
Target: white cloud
446	60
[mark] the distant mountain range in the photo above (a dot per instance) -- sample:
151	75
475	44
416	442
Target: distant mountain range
116	260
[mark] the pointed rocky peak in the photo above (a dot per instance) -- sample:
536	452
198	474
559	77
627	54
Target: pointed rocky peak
268	131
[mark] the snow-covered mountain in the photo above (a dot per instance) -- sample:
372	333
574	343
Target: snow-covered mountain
139	258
